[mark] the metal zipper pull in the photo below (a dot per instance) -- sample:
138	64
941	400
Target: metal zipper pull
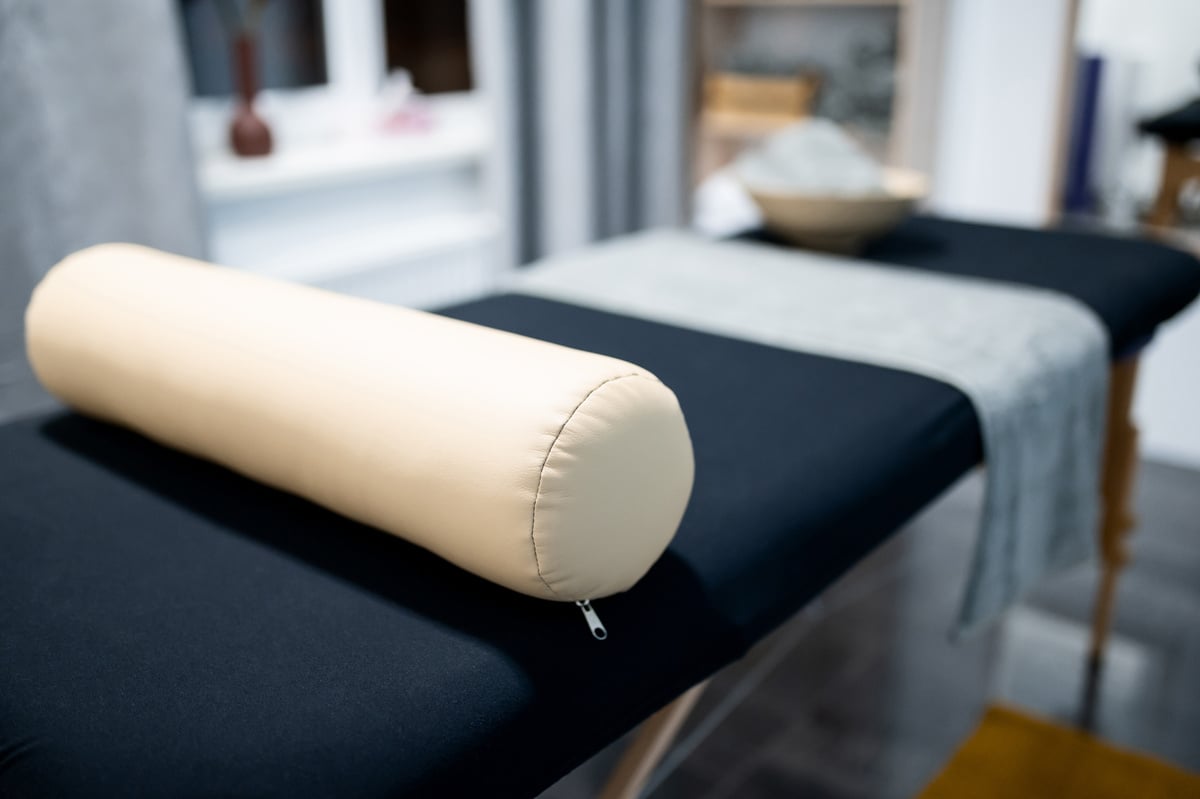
593	620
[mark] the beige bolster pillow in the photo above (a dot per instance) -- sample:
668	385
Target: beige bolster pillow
557	473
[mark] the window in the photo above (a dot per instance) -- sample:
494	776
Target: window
323	64
291	51
429	40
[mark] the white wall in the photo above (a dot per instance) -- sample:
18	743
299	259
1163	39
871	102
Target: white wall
1163	34
999	109
1160	41
997	132
1161	38
1167	405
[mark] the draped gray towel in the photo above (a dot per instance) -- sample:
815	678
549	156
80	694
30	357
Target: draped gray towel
1034	364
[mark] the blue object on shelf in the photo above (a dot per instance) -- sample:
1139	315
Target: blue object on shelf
1078	192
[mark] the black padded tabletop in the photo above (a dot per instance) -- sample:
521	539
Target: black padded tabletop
168	628
1132	284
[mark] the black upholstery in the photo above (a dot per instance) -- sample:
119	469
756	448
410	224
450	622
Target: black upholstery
168	628
1178	125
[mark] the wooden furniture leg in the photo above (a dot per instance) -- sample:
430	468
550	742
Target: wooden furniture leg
1178	168
1120	464
649	745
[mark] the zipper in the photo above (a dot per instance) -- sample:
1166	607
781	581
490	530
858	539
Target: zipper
593	620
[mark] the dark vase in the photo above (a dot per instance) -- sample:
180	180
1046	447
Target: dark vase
248	134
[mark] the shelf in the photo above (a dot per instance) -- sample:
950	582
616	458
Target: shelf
740	125
225	177
335	258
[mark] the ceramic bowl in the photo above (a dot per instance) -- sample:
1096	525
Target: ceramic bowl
840	223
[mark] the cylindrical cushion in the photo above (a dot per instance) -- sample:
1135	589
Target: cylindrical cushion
558	473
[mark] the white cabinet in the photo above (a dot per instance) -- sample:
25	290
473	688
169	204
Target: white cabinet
400	217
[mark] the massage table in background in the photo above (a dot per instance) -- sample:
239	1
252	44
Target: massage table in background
169	628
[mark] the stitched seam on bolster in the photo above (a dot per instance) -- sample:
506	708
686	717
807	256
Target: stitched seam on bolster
542	471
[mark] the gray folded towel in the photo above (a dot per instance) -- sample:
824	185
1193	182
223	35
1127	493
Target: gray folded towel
1033	362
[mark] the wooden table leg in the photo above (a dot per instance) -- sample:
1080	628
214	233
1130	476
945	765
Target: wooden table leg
1120	465
649	745
1179	166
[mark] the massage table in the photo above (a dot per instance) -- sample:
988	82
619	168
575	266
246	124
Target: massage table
169	628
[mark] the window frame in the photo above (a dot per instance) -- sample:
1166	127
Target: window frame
355	66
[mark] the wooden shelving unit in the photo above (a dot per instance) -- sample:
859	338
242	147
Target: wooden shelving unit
909	139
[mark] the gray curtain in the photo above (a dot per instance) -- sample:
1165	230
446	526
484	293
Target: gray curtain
592	100
93	148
